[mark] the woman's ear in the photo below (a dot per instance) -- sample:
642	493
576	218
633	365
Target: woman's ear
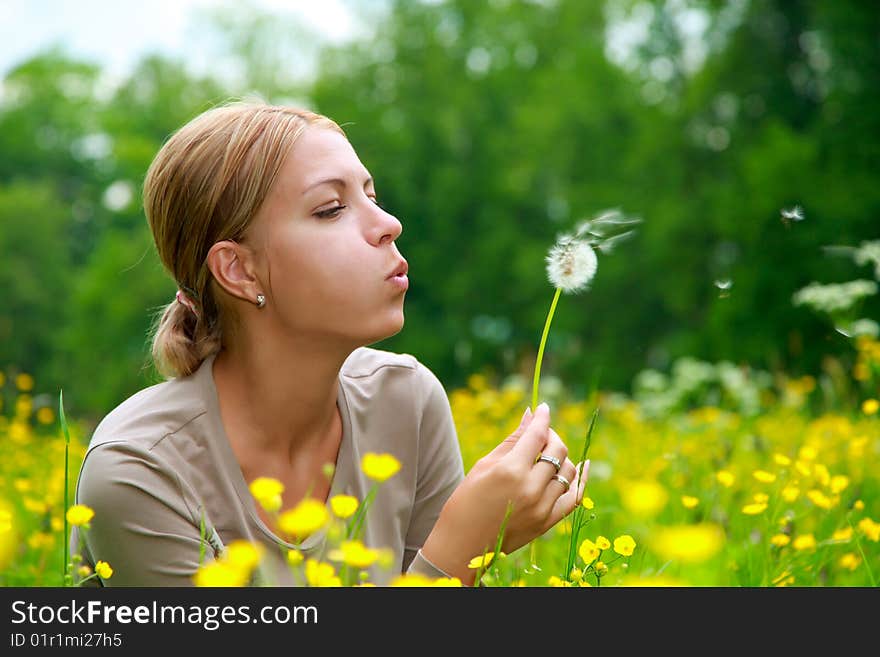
232	266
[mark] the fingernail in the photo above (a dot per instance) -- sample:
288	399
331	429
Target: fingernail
525	415
586	466
546	407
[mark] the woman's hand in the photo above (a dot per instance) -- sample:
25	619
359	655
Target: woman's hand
471	519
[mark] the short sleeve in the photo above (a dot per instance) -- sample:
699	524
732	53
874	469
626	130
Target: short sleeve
440	470
143	526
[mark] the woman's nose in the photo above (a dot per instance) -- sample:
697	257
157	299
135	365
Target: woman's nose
386	227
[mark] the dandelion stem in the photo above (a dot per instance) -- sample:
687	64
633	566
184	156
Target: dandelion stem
541	348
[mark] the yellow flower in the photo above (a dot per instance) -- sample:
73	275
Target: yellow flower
725	478
267	491
870	406
764	476
602	543
557	582
820	471
804	542
819	498
624	545
478	561
576	574
379	467
294	557
760	498
790	493
243	554
858	505
689	502
354	554
84	571
601	568
838	483
447	582
411	579
780	540
220	573
588	551
343	506
808	453
870	529
45	415
754	509
850	561
803	468
24	382
781	459
321	574
584	583
80	515
844	534
646	497
587	503
688	543
304	519
104	570
784	579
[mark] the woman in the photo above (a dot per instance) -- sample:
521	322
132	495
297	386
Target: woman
287	268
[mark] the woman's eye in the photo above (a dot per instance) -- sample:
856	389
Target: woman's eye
332	212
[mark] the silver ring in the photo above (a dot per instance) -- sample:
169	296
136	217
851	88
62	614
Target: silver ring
562	480
552	460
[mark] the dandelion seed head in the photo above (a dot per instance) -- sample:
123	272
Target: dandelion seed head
571	264
794	214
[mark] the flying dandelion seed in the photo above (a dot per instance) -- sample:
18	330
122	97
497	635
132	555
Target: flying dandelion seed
794	214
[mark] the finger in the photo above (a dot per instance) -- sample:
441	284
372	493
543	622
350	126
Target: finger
507	444
568	502
534	438
543	471
555	488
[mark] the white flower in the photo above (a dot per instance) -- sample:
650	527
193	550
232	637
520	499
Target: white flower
571	264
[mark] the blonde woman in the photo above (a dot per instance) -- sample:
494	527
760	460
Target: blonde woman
287	269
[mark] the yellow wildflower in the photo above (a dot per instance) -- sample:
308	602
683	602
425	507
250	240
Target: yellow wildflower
576	574
754	509
870	529
784	579
763	476
555	581
267	491
688	543
780	540
838	483
484	561
803	468
343	506
104	570
411	579
447	582
819	498
781	459
80	515
844	534
870	406
804	542
689	501
850	561
584	583
294	557
321	574
858	505
790	493
354	554
587	503
379	467
84	571
725	478
24	382
304	519
646	497
820	471
220	573
760	498
808	453
601	568
588	551
602	543
624	545
243	554
45	415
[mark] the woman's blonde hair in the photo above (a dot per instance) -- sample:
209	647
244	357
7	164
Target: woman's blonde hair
205	185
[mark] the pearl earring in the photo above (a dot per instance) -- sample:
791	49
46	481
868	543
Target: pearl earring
261	301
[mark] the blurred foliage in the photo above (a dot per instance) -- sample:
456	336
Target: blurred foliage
490	127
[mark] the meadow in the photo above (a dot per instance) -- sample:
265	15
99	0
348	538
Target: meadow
709	475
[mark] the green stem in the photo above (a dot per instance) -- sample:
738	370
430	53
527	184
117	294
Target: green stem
65	574
861	551
541	348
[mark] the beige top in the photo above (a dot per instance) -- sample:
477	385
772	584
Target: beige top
161	460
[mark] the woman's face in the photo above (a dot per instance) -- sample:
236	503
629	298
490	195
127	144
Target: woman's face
326	249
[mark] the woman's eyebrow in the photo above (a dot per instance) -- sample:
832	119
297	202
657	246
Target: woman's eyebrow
334	181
